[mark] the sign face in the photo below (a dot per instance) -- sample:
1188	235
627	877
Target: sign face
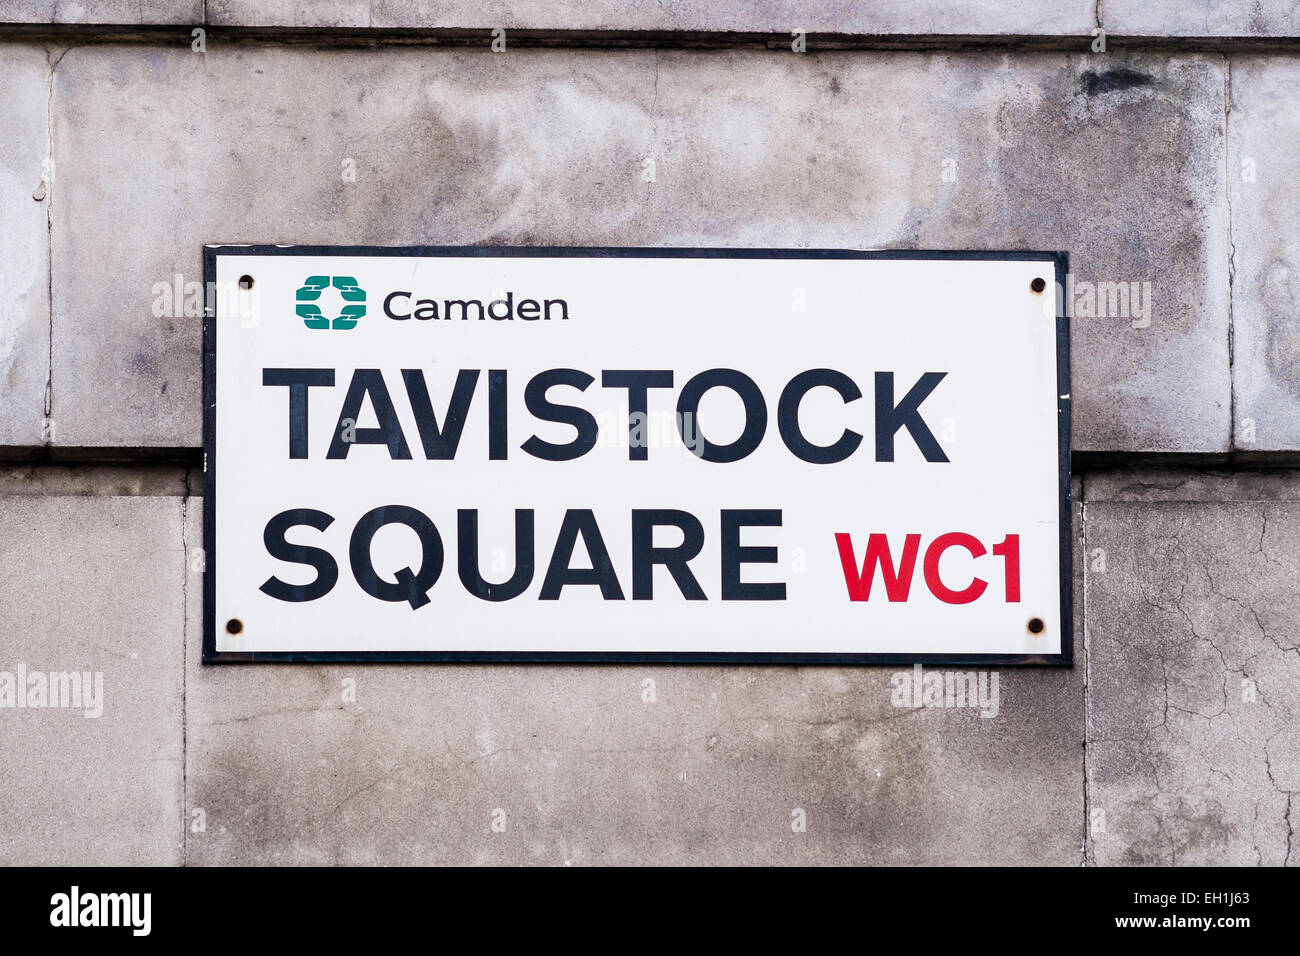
636	455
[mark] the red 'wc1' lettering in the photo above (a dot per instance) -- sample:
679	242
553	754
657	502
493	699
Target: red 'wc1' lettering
897	576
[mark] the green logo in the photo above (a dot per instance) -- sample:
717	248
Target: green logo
353	295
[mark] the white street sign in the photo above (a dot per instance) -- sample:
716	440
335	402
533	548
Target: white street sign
636	454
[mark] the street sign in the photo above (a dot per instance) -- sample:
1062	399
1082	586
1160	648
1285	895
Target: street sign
636	455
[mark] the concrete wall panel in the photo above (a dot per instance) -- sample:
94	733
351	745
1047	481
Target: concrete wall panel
1193	664
25	181
586	770
163	150
93	585
1264	128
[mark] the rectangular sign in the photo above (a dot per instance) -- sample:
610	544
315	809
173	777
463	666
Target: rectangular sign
636	455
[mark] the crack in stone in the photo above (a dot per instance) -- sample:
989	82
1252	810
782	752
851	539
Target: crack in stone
1289	794
1087	848
185	645
1139	486
1232	252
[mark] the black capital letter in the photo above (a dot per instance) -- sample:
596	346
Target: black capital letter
369	381
688	408
733	555
637	383
327	571
645	555
890	417
787	416
298	380
558	574
583	422
467	557
440	444
412	586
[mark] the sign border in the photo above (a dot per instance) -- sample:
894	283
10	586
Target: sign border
211	655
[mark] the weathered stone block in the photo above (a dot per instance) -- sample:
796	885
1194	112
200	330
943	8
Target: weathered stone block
1193	661
24	247
622	764
875	18
132	12
93	585
1264	138
402	146
1200	18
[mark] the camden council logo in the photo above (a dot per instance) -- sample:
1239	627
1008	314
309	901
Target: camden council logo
308	301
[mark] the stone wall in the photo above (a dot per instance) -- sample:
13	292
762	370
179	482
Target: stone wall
1165	165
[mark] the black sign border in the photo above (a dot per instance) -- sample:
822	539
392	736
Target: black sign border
211	655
